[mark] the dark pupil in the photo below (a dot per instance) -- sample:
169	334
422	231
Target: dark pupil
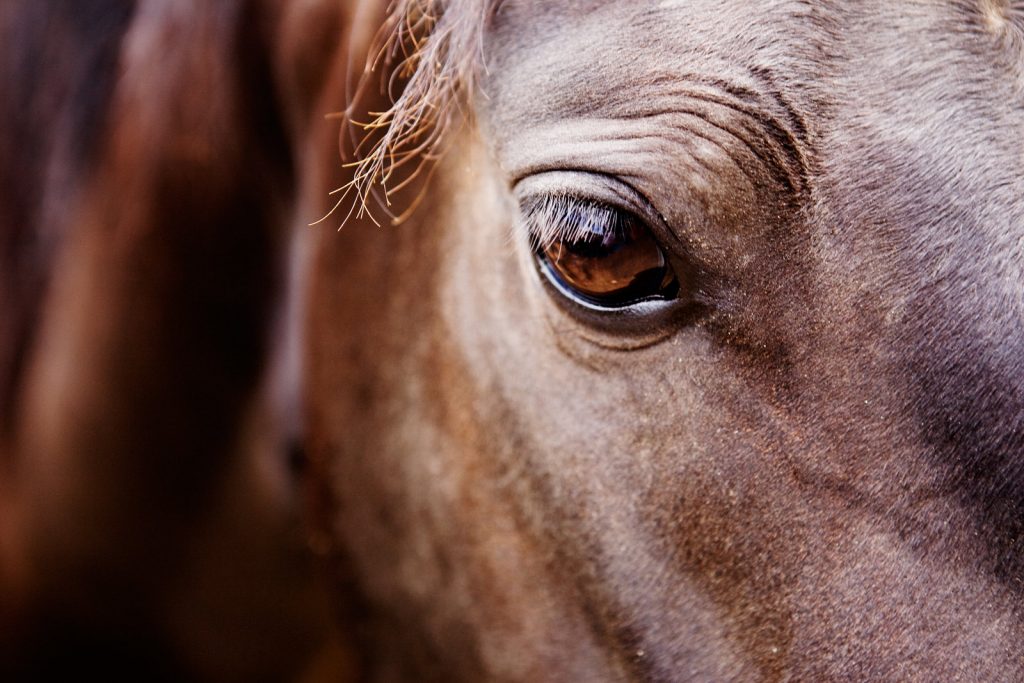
612	262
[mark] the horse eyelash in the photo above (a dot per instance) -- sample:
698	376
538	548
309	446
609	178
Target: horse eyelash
564	218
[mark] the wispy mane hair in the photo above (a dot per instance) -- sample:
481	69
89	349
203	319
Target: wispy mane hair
434	47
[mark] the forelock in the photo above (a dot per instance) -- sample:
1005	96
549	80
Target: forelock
434	47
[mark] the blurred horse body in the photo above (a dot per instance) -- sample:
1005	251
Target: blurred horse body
159	164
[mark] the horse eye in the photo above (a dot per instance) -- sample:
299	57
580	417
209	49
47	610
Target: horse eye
604	257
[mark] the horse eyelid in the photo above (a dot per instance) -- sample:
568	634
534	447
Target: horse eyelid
555	219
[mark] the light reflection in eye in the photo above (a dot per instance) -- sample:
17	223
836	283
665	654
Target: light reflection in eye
599	254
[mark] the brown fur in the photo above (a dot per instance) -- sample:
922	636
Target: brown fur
158	165
814	474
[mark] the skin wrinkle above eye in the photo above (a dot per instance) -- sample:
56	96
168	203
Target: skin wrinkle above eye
766	135
599	147
609	140
675	122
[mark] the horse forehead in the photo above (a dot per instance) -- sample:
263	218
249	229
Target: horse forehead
802	38
570	55
686	22
595	58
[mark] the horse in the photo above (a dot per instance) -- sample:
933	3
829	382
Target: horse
159	166
698	354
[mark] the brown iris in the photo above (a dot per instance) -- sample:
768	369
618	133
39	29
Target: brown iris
606	257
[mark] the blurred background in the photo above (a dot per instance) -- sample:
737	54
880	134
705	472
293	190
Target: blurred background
160	164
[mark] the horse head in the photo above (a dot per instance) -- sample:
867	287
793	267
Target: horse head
699	357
